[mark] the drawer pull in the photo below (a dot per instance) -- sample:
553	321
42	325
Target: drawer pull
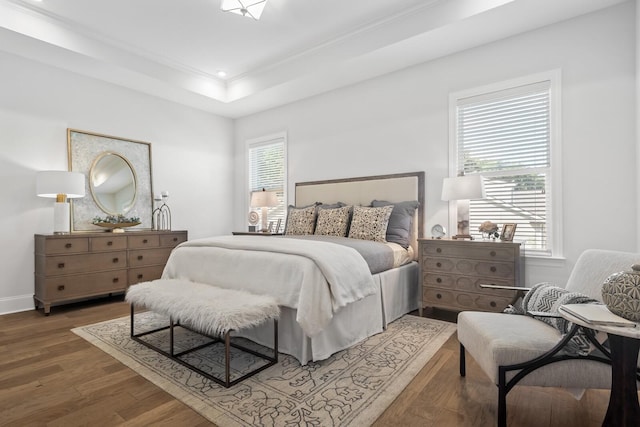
109	243
493	304
175	239
140	276
439	250
438	264
145	241
492	253
493	269
61	287
140	257
439	296
439	280
68	245
116	280
61	265
115	260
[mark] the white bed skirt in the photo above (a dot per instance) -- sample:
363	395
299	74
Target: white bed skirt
399	294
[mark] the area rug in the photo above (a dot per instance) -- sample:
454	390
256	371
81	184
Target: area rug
352	387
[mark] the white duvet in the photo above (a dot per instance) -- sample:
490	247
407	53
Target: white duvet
315	278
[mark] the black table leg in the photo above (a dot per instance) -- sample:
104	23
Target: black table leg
623	410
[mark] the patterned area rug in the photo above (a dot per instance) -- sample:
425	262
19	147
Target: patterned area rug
352	387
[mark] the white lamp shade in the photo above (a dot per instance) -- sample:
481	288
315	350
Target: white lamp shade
264	199
466	187
52	183
251	8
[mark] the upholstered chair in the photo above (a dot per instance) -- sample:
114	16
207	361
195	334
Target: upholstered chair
500	339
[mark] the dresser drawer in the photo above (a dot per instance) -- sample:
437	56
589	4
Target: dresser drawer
144	274
143	257
81	285
464	301
71	264
66	246
489	251
108	243
469	266
173	239
467	283
144	241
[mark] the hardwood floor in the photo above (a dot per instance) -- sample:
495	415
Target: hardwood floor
49	376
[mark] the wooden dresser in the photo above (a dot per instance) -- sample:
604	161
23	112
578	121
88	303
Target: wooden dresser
453	270
77	266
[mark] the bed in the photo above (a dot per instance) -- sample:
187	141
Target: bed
332	293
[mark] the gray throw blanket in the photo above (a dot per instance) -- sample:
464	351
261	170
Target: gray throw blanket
547	298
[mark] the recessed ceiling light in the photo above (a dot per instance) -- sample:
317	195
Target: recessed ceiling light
221	74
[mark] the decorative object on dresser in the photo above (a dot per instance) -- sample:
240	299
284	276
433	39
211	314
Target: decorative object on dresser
453	271
60	185
489	230
116	223
84	265
119	172
462	189
264	199
162	213
438	231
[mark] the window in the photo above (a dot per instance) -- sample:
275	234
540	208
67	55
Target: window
507	135
268	170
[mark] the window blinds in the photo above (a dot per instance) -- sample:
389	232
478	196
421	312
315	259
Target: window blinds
267	170
505	136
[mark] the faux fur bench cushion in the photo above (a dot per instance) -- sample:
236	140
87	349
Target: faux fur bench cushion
205	308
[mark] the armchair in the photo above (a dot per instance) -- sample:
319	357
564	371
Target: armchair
509	347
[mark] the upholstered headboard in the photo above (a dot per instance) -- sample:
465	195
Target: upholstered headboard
361	191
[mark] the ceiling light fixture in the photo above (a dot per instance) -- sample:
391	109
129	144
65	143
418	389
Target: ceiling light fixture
249	8
222	74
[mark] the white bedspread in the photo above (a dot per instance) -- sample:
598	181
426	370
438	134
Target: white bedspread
316	278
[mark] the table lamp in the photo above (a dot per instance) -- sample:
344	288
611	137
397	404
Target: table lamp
264	199
60	185
463	189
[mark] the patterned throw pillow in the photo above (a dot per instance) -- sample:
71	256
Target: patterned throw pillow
333	222
301	221
370	223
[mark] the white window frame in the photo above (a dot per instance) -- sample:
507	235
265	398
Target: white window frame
554	213
256	142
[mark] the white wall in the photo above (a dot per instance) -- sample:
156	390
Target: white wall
191	152
399	123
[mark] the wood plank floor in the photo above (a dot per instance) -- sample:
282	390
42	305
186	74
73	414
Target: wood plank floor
49	376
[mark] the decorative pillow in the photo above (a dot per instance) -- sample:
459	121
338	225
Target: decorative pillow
547	298
400	221
333	222
301	220
370	223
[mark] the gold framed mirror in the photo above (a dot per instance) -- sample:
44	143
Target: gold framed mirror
118	175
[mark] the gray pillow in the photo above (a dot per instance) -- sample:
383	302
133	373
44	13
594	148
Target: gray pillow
400	222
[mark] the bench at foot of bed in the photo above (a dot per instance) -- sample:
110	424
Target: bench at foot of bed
207	310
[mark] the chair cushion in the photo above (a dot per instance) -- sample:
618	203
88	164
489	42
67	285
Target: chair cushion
495	339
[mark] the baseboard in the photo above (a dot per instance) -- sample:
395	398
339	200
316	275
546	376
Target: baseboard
16	304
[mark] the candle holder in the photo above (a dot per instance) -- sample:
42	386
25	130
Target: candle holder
162	213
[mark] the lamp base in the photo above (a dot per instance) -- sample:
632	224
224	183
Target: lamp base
61	215
462	237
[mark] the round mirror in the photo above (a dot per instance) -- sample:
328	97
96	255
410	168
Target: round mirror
112	182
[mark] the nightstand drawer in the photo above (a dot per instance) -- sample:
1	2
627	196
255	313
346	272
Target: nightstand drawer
142	257
467	266
59	265
467	283
488	251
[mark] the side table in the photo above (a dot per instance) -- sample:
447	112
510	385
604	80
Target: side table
624	343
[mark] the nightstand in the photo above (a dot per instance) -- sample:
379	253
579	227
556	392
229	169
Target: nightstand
453	270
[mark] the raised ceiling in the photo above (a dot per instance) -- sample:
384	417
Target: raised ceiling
173	49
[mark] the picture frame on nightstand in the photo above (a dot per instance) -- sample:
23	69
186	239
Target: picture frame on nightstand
508	231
